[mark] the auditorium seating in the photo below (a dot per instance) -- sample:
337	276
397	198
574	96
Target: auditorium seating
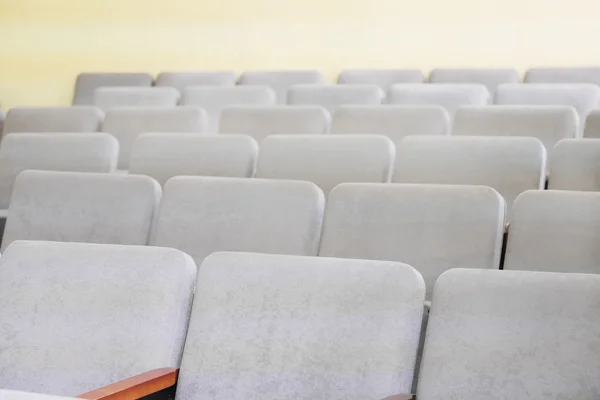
333	96
165	155
575	165
550	124
563	75
81	207
510	165
76	317
430	227
181	80
490	77
2	117
383	78
108	98
327	160
214	99
262	121
88	82
127	124
53	119
280	81
592	125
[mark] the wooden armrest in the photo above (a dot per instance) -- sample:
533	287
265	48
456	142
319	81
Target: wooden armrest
135	387
401	397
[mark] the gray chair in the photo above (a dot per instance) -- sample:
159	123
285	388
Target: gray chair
280	81
88	82
181	80
82	119
333	96
563	75
109	98
575	165
383	78
490	77
591	125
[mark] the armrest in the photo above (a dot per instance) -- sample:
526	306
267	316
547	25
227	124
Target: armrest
404	396
135	387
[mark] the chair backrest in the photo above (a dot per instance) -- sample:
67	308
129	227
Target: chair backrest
563	75
108	98
76	152
181	80
510	165
280	81
333	96
214	99
383	78
547	123
88	82
165	155
512	335
431	227
591	125
127	124
53	119
490	77
81	207
262	121
313	328
76	317
202	215
555	231
575	165
327	160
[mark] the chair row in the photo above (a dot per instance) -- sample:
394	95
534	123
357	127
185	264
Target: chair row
77	318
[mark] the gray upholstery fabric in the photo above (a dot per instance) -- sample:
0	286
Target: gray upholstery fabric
214	99
563	75
181	80
592	125
16	395
108	98
511	165
327	160
127	124
88	82
53	119
76	317
431	227
165	155
280	81
499	335
490	77
262	121
555	231
77	152
383	78
575	165
547	123
288	327
81	207
202	215
333	96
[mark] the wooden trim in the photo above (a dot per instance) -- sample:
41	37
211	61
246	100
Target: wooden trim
135	387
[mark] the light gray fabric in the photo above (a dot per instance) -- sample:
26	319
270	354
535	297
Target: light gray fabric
448	95
431	227
510	165
575	165
547	123
327	160
392	121
280	81
563	75
288	327
81	207
15	395
1	121
108	98
165	155
127	124
53	119
496	335
490	77
262	121
555	231
88	82
202	215
333	96
383	78
76	317
181	80
77	152
592	125
214	99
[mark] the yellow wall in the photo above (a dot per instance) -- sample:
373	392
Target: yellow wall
45	43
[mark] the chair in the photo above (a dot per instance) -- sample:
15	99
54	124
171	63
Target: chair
88	82
79	316
591	125
490	77
262	121
555	231
16	395
280	81
512	335
333	96
202	215
165	155
81	207
431	227
327	160
383	78
575	165
53	119
181	80
108	98
127	124
214	99
563	75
